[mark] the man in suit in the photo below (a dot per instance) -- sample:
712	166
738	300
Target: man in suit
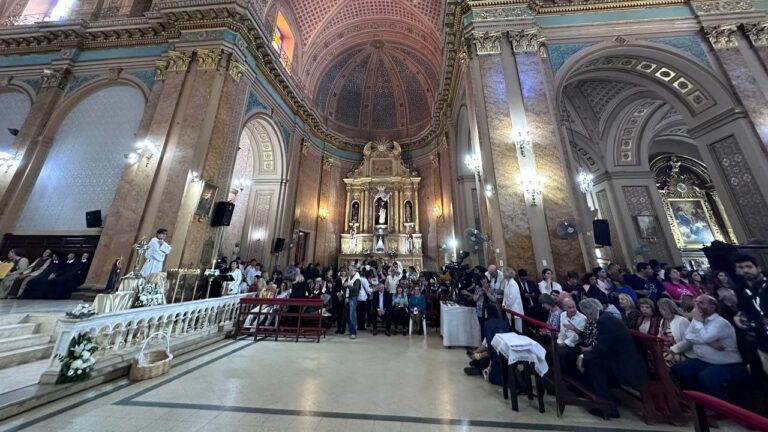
530	293
614	357
382	302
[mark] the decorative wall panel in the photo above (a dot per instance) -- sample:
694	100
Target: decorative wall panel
639	202
14	107
85	162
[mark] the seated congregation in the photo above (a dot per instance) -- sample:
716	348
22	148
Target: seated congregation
47	277
654	332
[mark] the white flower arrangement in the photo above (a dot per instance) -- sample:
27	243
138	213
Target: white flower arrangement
77	365
82	311
150	294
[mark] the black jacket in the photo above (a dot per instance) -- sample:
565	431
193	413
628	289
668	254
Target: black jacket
387	299
616	351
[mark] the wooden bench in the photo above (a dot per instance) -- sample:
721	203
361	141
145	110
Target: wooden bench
660	396
568	390
703	402
282	318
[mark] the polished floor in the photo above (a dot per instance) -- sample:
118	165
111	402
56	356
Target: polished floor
374	383
37	306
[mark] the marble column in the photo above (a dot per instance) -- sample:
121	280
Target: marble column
33	143
745	71
550	154
122	228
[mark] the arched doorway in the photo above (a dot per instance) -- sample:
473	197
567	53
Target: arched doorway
258	189
629	103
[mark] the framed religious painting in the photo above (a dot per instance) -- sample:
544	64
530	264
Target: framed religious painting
647	226
207	198
692	222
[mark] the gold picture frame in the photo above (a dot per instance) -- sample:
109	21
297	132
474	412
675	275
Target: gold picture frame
693	224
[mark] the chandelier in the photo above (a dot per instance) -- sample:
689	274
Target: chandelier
532	186
585	181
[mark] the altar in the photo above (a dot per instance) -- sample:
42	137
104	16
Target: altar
382	218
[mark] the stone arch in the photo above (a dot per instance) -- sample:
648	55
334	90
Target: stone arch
84	146
259	215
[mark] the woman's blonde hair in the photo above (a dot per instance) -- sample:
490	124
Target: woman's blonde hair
627	299
668	306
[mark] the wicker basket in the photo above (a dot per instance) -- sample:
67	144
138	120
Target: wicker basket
154	363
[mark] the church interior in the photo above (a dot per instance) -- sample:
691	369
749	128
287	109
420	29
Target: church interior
210	209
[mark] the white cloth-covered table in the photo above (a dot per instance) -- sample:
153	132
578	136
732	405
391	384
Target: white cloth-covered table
459	325
518	348
105	303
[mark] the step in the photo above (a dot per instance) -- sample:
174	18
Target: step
13	330
25	355
12	319
26	341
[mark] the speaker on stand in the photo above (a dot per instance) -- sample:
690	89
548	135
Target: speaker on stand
93	219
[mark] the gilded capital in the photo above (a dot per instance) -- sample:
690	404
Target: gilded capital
328	164
161	67
526	40
722	36
208	59
55	77
305	146
236	68
178	61
486	42
758	33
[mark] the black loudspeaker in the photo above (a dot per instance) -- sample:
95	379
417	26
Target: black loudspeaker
279	245
93	219
222	214
602	232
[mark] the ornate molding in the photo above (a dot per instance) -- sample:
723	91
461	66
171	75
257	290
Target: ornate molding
236	69
500	13
328	163
161	67
114	73
208	59
486	43
722	6
758	33
722	36
526	40
435	159
5	80
57	78
178	61
305	146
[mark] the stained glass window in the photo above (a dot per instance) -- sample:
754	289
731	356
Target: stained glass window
277	40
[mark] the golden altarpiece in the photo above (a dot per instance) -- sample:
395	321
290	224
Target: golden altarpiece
382	209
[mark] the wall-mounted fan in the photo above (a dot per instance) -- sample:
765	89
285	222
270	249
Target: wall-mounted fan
476	238
567	229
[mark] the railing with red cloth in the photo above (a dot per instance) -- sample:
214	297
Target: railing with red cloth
287	318
703	402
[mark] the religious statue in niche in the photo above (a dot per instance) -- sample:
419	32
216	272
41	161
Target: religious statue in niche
409	244
381	211
408	212
355	212
379	243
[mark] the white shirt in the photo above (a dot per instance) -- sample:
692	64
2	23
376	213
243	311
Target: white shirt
567	336
391	282
234	286
250	275
155	257
497	283
546	288
605	286
714	328
513	300
365	290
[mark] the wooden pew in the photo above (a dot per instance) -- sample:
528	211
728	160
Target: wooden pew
660	396
290	318
568	390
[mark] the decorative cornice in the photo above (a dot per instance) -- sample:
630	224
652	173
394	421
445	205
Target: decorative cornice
208	59
55	78
541	7
758	33
486	43
722	36
526	40
712	7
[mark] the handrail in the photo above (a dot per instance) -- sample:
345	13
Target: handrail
646	336
288	301
738	414
535	322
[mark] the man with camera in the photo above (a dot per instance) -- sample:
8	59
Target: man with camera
752	317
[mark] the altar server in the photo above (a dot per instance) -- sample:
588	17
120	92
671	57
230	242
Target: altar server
158	249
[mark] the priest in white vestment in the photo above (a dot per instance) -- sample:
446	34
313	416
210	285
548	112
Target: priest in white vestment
512	299
155	255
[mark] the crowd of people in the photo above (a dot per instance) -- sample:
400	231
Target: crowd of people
714	325
47	277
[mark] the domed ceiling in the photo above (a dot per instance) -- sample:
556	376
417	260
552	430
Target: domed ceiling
371	66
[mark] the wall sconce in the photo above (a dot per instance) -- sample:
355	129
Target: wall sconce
9	161
532	186
322	213
585	181
523	141
473	162
241	184
145	150
489	190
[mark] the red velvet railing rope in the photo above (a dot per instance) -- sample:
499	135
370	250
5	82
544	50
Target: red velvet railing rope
737	414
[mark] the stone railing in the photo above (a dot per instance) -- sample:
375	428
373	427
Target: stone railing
125	331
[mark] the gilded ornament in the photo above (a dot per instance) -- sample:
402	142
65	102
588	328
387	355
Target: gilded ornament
161	67
486	42
722	36
525	40
208	59
55	77
327	164
178	61
758	33
236	69
722	6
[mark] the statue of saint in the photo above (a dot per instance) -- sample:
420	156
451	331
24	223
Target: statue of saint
381	212
355	212
408	212
382	215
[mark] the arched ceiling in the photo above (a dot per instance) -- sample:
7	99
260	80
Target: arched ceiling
371	67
